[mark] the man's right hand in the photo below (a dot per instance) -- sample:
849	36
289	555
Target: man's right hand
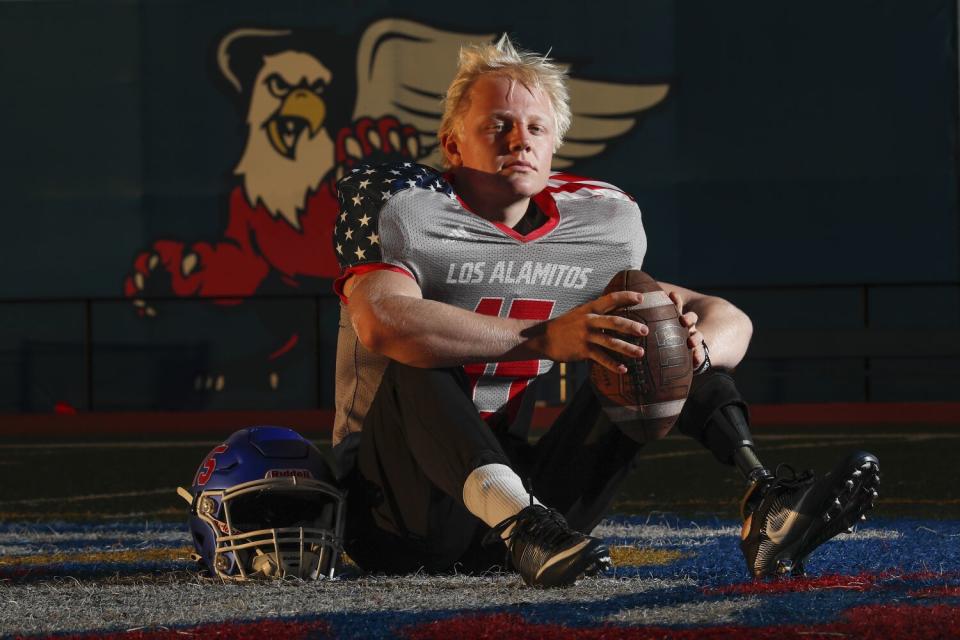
390	317
584	332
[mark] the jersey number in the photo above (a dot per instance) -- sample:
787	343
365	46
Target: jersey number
521	371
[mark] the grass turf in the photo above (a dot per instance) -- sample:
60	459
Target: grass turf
92	540
75	577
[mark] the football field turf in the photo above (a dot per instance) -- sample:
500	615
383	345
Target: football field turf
131	477
93	539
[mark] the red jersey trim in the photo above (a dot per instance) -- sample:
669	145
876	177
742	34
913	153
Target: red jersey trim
543	200
568	183
361	269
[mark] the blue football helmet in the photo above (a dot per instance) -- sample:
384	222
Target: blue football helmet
265	504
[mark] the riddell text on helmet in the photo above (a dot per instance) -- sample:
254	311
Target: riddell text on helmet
513	272
288	473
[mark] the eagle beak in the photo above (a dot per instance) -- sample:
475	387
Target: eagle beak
301	110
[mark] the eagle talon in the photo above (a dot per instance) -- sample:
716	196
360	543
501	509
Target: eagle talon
189	263
352	148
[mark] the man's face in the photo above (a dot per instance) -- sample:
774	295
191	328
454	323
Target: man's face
507	132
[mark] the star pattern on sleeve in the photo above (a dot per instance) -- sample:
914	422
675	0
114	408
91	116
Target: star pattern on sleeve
356	236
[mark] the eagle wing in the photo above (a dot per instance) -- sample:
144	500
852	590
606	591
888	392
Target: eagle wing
603	111
403	69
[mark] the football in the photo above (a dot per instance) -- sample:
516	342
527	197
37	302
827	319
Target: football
646	400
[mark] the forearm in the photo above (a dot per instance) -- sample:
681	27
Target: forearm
426	333
390	317
725	329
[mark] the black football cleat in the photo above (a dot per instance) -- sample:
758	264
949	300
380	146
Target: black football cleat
546	551
788	516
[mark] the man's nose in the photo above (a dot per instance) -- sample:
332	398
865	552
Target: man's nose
519	139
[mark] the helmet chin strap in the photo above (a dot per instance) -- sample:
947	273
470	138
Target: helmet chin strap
265	563
268	565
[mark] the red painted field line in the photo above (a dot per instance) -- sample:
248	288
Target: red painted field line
318	422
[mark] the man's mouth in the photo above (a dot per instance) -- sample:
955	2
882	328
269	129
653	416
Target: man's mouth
519	165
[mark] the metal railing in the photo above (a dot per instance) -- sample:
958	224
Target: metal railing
872	321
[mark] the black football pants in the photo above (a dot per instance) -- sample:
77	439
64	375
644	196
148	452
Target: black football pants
423	436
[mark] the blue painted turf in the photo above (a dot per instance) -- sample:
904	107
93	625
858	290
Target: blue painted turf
888	562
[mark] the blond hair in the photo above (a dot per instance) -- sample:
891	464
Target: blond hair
532	70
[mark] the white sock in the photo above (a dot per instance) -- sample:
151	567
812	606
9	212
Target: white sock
493	493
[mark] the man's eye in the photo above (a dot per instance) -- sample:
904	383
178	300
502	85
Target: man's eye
537	129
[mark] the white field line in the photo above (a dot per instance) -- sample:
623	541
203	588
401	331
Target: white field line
158	444
43	541
92	496
663	534
813	435
780	447
835	440
94	515
636	532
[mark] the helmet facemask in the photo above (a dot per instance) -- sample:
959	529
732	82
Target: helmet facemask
275	528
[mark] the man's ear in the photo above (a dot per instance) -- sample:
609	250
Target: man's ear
451	150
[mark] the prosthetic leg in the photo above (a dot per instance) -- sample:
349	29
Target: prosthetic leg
785	518
716	416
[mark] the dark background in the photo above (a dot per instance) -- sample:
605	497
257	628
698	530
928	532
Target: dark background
803	165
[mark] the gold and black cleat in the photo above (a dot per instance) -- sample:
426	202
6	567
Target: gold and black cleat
787	517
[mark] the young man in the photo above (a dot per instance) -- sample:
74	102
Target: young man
461	289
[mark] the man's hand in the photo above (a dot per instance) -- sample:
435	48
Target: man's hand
391	318
689	320
588	333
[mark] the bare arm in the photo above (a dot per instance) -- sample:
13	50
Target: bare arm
391	317
725	328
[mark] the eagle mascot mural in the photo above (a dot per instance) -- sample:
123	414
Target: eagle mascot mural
310	117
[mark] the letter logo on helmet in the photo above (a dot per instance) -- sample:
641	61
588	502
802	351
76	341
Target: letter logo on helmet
265	504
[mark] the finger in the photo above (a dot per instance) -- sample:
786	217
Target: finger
689	319
605	360
698	356
615	300
677	300
619	324
617	345
694	339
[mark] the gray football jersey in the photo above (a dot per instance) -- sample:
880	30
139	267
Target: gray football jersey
407	218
